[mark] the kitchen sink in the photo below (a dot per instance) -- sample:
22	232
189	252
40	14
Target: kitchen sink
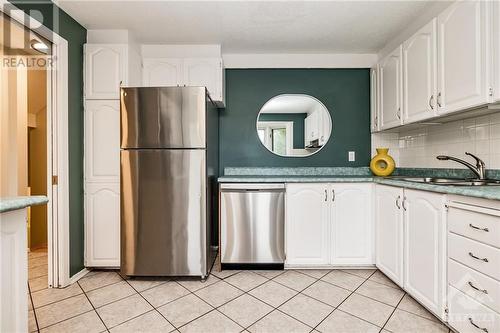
449	181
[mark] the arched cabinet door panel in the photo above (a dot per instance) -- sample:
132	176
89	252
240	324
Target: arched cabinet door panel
102	225
105	69
390	78
424	254
162	72
102	141
307	224
389	232
351	224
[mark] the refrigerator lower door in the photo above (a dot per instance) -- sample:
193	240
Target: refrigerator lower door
163	212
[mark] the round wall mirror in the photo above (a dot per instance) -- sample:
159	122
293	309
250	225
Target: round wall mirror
294	125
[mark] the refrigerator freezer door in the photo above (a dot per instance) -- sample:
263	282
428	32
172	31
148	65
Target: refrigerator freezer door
163	117
163	212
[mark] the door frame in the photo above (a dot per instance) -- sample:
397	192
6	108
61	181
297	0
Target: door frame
57	151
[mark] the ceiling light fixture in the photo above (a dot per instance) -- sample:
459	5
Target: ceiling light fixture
39	46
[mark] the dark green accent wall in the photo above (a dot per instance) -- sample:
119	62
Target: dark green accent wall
76	35
345	92
298	125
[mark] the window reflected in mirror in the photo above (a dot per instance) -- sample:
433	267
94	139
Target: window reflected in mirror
294	125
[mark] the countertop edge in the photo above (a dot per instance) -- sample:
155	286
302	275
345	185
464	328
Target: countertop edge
14	203
491	193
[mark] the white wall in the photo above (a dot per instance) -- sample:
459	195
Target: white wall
418	148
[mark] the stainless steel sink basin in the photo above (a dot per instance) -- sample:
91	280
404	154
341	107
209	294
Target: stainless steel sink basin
448	181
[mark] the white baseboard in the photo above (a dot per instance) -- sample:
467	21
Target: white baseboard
78	276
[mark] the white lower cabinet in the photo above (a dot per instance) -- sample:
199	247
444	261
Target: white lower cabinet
424	248
351	225
306	226
389	232
411	243
102	225
326	227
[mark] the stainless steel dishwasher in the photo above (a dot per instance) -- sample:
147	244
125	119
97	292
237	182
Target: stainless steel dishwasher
252	223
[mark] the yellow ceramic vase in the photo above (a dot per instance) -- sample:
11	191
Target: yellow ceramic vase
382	164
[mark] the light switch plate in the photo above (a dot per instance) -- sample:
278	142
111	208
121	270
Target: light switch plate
352	156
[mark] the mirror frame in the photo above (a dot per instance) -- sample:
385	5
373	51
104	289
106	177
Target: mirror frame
293	156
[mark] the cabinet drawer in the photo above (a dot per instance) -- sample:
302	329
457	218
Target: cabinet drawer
469	281
480	226
481	257
466	315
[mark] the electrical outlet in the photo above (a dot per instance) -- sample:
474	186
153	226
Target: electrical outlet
352	156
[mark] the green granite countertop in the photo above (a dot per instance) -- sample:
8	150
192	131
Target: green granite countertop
12	203
360	175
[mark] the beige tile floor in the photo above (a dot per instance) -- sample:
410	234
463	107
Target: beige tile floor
229	301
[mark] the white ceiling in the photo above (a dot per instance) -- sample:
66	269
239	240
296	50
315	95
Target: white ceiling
254	26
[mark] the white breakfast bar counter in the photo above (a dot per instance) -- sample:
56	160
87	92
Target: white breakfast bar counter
14	262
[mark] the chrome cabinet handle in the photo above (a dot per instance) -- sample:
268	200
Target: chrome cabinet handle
476	326
403	203
439	99
478	228
397	202
431	101
398	113
333	195
326	195
473	256
478	289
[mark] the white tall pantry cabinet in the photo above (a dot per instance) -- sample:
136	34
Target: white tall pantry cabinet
106	66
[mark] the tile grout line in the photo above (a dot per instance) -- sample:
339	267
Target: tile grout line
33	306
93	307
337	307
154	308
392	313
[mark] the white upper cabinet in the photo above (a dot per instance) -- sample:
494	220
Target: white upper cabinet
374	99
390	71
389	232
462	56
496	50
105	68
102	141
162	72
424	244
420	75
351	225
102	225
307	224
205	72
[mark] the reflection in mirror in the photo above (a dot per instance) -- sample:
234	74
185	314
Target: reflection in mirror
294	125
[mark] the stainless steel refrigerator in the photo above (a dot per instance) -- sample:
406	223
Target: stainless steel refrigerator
169	168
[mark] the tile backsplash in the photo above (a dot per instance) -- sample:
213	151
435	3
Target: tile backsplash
418	148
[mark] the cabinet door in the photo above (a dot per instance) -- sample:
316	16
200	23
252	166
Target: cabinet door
424	259
325	126
102	140
206	72
307	227
162	72
352	227
420	76
389	232
496	51
374	99
105	68
462	52
102	225
391	90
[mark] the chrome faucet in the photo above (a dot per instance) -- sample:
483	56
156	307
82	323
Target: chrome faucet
479	170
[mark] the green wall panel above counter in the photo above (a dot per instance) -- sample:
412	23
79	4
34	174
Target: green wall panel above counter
345	92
